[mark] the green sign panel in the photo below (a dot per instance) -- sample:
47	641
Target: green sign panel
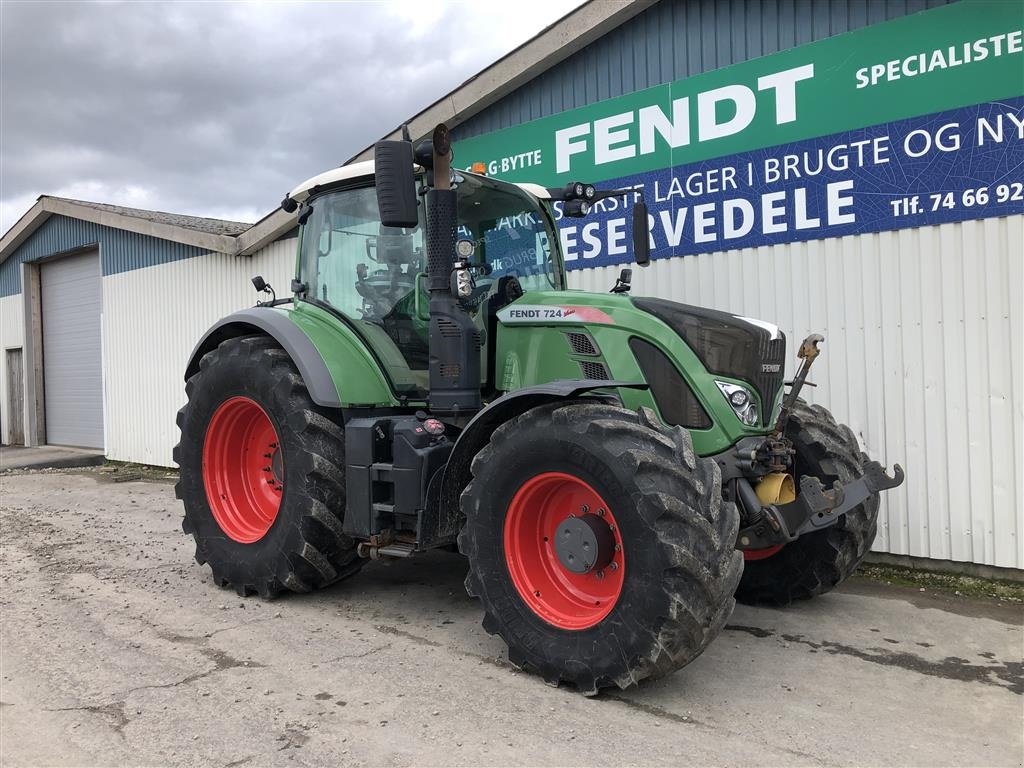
962	54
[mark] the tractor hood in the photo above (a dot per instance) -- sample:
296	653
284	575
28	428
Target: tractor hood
693	359
709	347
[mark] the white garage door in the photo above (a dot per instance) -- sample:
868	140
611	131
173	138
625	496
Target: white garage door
72	363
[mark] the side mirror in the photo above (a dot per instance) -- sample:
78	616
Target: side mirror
641	241
396	183
263	286
622	285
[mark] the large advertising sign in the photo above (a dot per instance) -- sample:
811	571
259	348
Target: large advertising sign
911	122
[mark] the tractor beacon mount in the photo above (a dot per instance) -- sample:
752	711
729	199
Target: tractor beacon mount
617	470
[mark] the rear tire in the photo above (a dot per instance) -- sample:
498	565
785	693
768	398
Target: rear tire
677	536
817	562
296	544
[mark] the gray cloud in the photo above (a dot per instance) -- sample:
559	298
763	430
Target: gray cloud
217	109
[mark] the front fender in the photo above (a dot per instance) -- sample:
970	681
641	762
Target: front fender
478	431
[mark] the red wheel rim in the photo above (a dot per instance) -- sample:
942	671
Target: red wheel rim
243	469
761	554
559	596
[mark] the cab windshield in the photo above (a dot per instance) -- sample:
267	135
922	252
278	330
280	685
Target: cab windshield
375	275
511	231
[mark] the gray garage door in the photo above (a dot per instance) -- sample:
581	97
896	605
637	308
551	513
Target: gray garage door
72	364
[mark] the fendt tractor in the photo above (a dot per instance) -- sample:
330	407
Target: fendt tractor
616	470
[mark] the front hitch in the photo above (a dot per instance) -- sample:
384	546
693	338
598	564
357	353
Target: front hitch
815	507
772	516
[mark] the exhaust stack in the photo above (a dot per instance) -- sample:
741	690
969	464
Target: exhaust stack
454	340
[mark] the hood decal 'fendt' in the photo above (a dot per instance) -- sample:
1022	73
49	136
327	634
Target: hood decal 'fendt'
545	313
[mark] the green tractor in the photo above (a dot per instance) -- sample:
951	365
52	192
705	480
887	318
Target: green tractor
616	470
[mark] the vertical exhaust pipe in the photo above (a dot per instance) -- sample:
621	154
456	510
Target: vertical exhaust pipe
454	341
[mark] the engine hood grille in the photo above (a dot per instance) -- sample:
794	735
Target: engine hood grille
727	345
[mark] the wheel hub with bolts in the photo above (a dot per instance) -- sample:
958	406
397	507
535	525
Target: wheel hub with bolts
585	544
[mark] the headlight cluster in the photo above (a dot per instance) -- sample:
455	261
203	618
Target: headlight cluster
741	400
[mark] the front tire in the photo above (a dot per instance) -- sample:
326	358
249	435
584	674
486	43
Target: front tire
817	562
663	587
262	474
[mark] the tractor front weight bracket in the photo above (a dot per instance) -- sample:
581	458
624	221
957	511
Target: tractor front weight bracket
814	508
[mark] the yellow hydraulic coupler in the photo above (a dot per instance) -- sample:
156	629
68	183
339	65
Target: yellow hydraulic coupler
776	488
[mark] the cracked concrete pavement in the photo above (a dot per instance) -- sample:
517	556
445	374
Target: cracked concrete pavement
118	650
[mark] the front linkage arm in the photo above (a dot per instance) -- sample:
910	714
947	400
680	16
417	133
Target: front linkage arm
808	352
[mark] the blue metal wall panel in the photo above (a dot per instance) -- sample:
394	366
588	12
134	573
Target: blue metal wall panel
681	38
120	250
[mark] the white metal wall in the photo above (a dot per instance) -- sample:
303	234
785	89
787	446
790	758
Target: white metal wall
12	336
152	318
922	358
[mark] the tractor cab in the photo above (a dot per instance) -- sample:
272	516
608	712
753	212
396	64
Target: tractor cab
375	275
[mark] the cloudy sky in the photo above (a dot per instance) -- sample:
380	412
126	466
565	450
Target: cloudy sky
219	108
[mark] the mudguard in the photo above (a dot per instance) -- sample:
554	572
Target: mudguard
277	324
443	516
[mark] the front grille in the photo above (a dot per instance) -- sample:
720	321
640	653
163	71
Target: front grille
727	345
768	383
676	401
592	370
582	344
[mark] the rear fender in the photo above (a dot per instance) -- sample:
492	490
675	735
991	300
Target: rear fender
279	326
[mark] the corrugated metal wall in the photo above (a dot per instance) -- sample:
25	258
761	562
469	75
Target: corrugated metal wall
12	336
120	250
922	358
681	38
152	319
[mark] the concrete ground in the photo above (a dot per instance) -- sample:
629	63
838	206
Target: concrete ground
117	650
53	456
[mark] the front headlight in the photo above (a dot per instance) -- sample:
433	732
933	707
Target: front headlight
741	401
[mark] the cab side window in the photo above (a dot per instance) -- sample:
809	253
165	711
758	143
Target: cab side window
366	270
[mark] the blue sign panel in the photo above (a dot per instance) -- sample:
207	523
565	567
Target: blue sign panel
955	165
